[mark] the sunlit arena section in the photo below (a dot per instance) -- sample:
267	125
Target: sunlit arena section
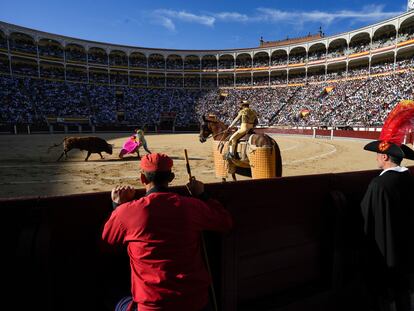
66	86
295	242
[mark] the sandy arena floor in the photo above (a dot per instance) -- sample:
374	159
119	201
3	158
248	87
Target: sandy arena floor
26	169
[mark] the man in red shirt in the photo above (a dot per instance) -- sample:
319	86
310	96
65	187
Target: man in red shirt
162	231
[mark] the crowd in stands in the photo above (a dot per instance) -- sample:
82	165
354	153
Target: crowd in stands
383	67
406	34
175	63
276	61
360	102
118	60
316	56
22	45
383	42
209	63
49	50
278	79
226	63
98	58
73	54
244	62
138	62
359	47
156	63
3	42
260	62
316	76
338	52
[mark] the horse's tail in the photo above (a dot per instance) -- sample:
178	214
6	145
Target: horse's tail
278	156
278	159
54	145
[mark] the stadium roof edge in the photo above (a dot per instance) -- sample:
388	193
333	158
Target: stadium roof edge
258	49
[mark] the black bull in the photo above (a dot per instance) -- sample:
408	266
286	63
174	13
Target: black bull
91	144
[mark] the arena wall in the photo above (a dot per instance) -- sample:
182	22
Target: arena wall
292	239
361	134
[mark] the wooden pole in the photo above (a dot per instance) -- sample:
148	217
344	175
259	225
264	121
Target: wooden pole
213	293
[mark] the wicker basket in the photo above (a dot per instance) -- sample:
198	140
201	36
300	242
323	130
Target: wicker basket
262	162
220	165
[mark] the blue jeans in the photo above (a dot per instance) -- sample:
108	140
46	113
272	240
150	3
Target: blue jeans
124	303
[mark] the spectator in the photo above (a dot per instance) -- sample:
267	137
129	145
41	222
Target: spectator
389	224
162	231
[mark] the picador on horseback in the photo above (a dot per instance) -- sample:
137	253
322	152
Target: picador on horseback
249	120
258	155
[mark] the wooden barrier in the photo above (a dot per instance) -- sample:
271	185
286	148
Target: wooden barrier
283	249
322	132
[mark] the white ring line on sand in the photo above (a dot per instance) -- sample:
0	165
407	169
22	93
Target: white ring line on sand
333	150
295	145
290	148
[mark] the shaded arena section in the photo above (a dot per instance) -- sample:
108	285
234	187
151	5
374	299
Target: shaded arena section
289	249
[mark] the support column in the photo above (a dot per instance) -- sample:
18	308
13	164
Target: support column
107	68
9	56
129	72
87	65
38	61
64	62
395	48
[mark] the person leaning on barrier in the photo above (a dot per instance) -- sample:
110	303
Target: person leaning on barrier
162	232
248	118
388	213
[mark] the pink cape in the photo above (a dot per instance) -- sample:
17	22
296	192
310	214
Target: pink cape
130	145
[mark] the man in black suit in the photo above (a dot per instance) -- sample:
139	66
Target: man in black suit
388	212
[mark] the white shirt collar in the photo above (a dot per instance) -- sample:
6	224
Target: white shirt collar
398	169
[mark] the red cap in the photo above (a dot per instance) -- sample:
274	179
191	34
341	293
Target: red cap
156	162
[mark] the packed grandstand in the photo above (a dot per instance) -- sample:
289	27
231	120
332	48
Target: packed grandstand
351	79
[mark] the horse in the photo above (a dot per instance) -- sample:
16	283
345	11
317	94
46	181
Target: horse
212	127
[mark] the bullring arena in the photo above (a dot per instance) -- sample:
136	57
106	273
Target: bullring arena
28	170
295	242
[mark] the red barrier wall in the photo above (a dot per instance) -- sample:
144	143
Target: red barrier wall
283	242
285	239
357	134
321	132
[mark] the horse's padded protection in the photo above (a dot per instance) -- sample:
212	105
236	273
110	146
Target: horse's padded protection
220	165
262	162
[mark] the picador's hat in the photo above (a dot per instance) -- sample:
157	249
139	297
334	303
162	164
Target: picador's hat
244	103
399	121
